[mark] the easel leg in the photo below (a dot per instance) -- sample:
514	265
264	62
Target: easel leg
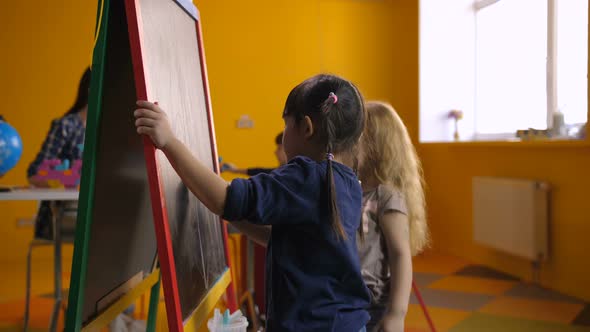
57	218
28	294
153	309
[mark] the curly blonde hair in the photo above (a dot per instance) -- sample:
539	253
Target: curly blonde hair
390	157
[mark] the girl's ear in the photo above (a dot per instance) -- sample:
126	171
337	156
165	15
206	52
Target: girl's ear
307	129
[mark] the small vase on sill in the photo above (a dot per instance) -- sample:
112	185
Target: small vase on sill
456	115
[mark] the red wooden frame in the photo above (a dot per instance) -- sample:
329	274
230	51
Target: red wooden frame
165	251
423	306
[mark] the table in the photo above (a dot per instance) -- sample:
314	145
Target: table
53	196
40	195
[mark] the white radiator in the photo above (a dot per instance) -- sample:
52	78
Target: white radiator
511	215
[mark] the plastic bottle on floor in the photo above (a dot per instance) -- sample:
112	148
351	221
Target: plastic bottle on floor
235	322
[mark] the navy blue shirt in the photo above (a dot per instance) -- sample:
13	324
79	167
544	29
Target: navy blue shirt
313	278
258	170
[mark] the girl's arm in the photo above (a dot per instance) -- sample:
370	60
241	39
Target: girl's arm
234	169
394	226
259	234
207	186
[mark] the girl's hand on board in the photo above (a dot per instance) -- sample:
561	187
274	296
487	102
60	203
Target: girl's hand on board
152	121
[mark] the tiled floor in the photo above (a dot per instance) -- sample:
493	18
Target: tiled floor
461	297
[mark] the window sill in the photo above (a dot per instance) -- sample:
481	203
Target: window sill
548	143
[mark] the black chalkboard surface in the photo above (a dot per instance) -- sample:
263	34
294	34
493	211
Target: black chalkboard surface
169	69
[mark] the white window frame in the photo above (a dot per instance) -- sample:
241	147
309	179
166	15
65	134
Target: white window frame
551	71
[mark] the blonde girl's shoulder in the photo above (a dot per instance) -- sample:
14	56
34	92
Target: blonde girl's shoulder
390	199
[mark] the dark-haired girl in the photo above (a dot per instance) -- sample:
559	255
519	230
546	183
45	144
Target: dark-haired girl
64	141
307	212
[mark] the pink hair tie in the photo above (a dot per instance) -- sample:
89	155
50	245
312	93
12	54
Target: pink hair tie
333	95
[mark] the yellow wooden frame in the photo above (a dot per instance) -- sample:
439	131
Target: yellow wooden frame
123	303
204	309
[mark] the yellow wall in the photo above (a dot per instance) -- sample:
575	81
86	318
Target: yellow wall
449	170
255	55
257	52
45	48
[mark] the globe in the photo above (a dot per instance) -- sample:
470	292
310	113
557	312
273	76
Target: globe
11	147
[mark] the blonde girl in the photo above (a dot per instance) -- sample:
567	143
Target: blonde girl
393	227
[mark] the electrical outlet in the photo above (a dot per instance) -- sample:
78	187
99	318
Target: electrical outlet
25	222
244	122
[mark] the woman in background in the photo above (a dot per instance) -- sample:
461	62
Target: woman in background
64	141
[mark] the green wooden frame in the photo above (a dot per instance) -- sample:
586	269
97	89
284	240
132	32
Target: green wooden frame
86	199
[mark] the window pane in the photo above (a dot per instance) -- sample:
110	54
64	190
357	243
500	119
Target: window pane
572	59
511	51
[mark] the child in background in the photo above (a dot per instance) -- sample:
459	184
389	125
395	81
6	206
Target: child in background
63	141
66	134
279	153
313	204
394	220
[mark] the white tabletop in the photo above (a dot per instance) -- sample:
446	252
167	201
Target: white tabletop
40	195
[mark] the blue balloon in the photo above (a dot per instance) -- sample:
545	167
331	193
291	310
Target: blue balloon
11	147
